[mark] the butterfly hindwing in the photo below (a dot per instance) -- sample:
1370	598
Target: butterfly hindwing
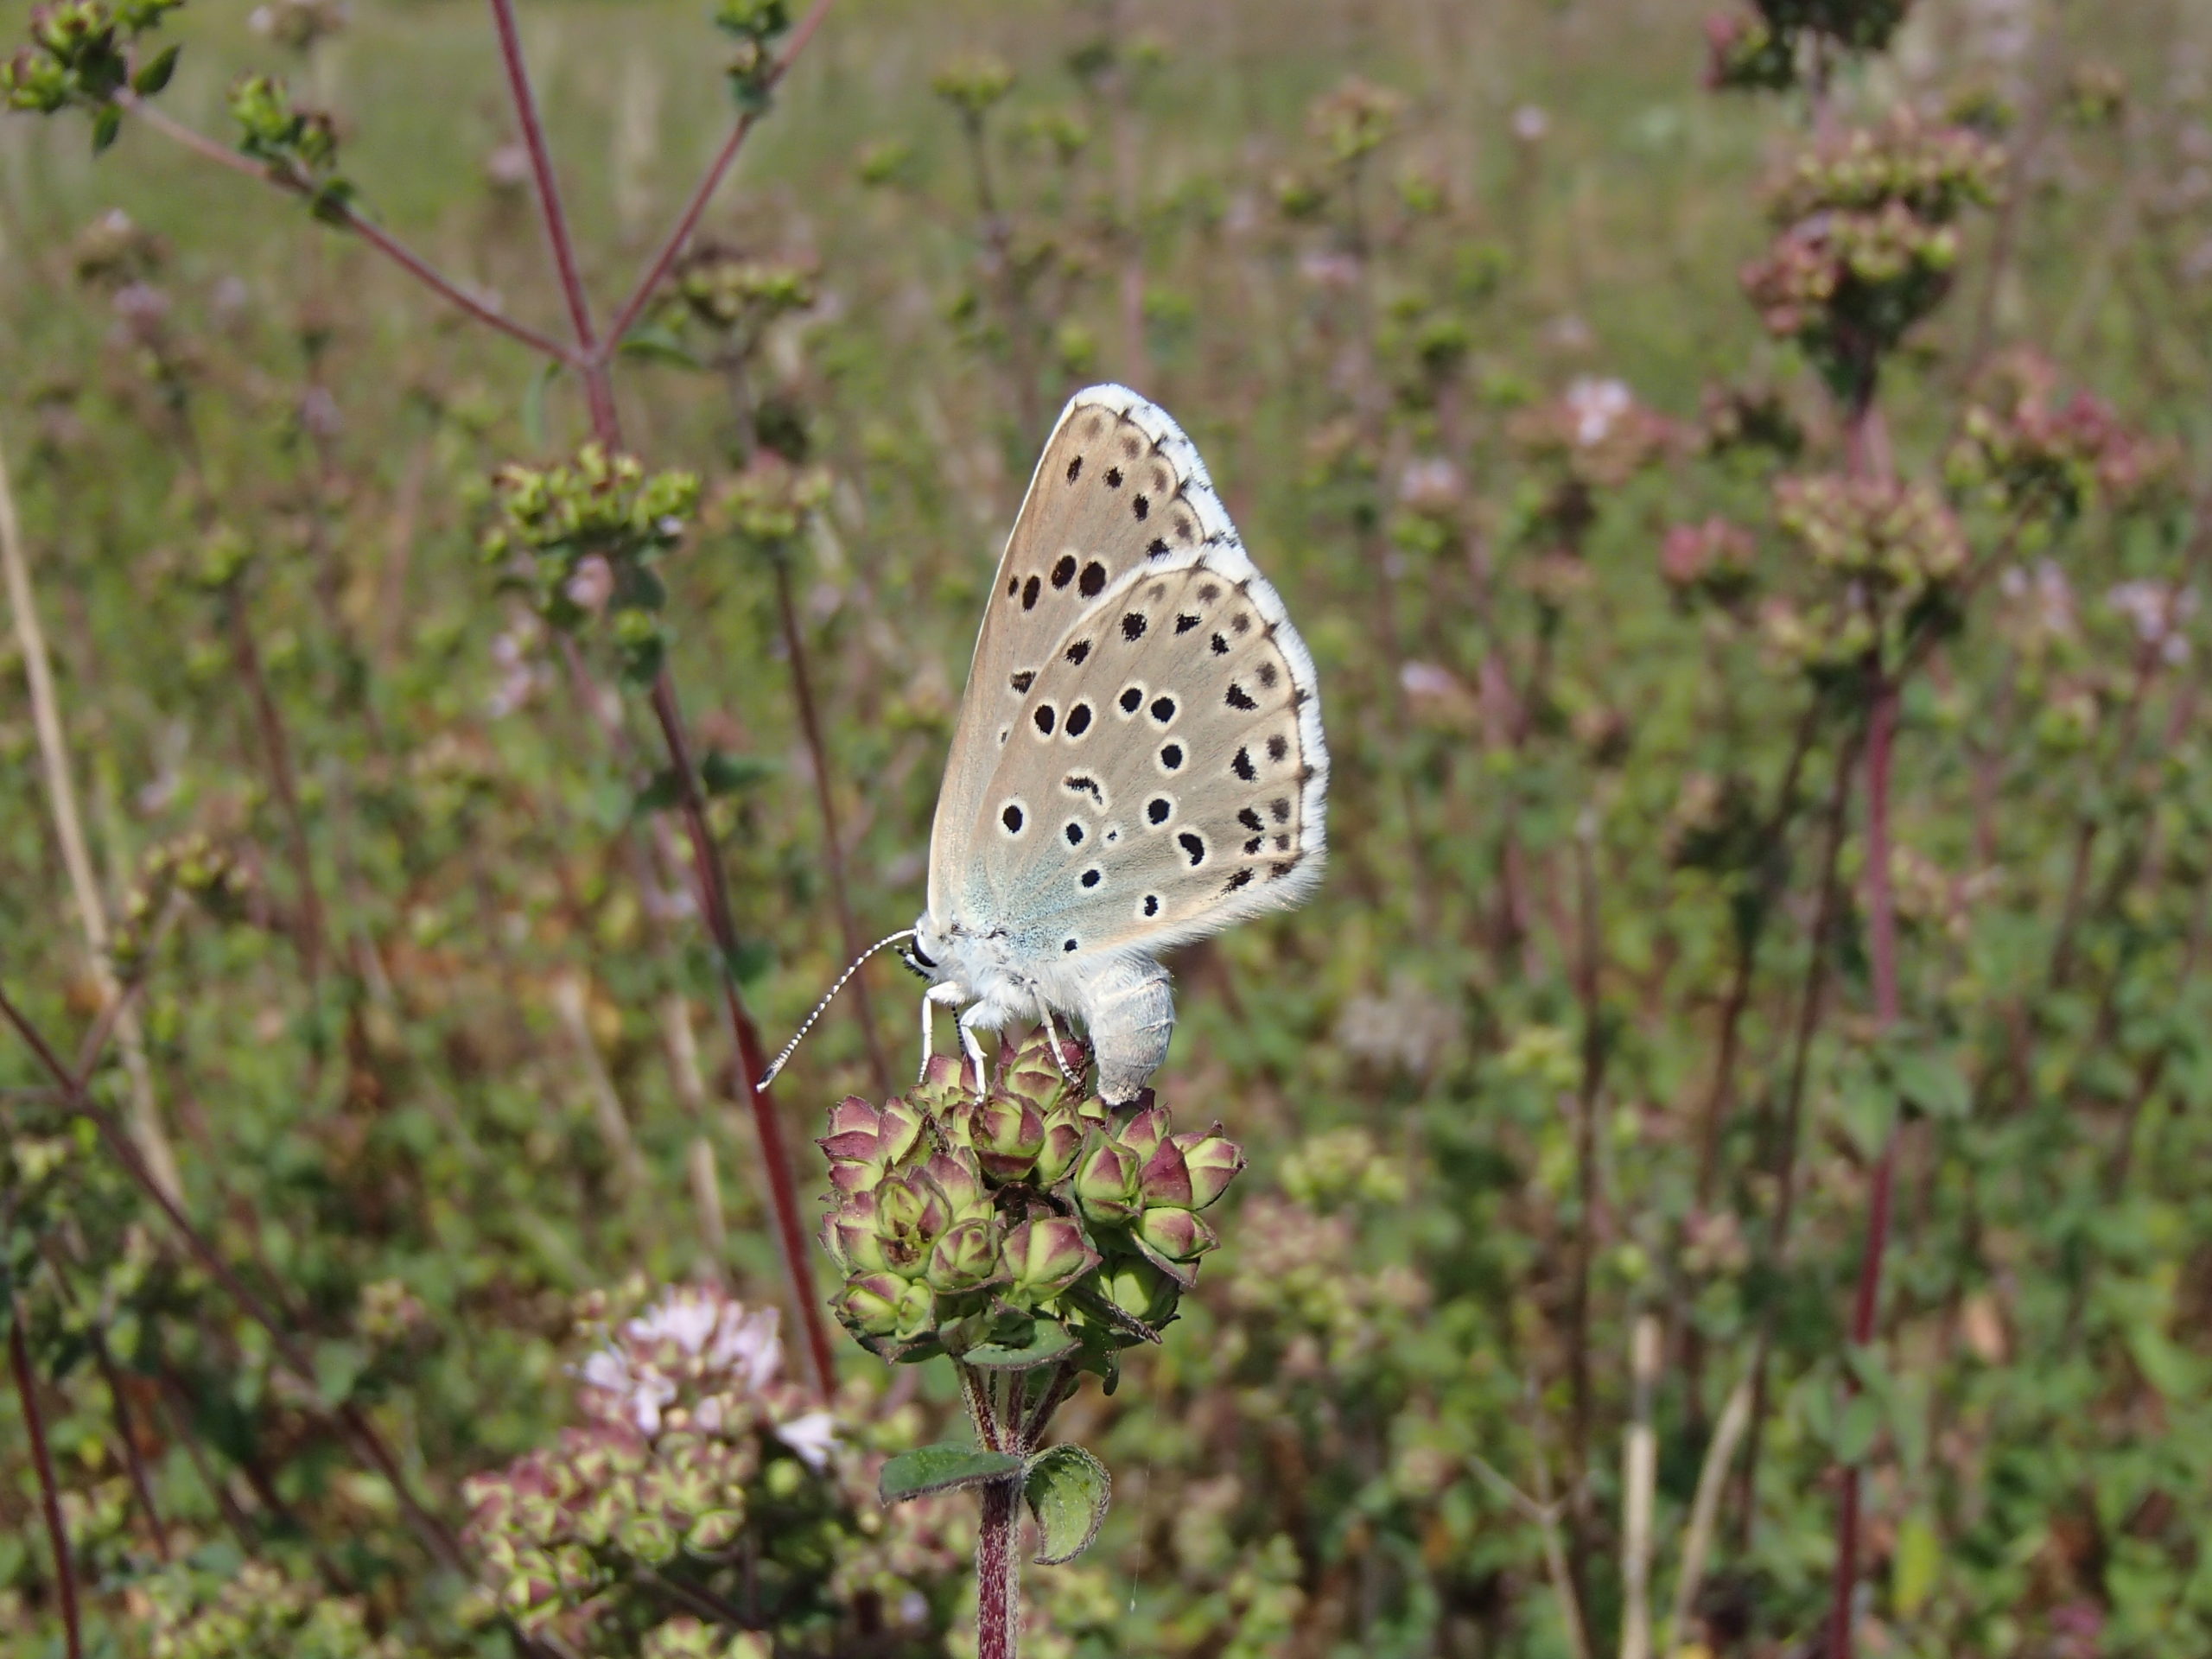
1164	774
1118	487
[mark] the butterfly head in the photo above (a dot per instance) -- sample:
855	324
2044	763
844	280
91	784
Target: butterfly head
928	953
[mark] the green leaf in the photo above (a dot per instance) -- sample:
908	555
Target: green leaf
155	75
941	1468
725	774
1046	1343
337	1366
1917	1564
1067	1490
658	345
105	125
1933	1083
662	792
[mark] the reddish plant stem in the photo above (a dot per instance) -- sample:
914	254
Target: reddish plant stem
1882	951
752	1053
998	1582
598	389
64	1575
833	845
687	222
382	240
707	870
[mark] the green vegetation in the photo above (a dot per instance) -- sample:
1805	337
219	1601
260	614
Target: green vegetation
1725	1141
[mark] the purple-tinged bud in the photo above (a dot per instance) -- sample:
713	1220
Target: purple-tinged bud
957	1178
1106	1182
647	1537
1165	1178
1030	1072
1174	1238
1144	1130
849	1233
943	1086
965	1259
911	1214
884	1305
1056	1155
1008	1134
1213	1160
864	1142
714	1532
574	1569
1045	1255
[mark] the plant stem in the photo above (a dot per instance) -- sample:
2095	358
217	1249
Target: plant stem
1808	1015
752	1053
713	892
599	391
998	1574
687	222
382	240
1594	1047
833	847
64	1575
146	1126
1639	1476
1882	949
276	752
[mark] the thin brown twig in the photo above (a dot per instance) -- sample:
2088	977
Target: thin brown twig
65	1573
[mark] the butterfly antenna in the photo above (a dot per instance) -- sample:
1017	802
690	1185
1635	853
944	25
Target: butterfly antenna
799	1036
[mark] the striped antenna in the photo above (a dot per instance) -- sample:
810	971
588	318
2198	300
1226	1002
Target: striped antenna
761	1087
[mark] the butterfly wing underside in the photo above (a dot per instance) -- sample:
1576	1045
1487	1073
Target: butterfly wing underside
1140	760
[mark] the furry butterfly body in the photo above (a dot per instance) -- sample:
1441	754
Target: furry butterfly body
1139	760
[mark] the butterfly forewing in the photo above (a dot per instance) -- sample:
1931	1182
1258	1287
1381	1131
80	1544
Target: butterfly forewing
1119	487
1164	773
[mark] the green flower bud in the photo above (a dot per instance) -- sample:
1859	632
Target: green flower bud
1106	1182
849	1233
1007	1135
1213	1161
1143	1131
1055	1155
911	1215
944	1087
647	1537
870	1304
714	1532
1165	1178
966	1258
960	1181
1030	1073
1174	1238
1045	1255
1140	1290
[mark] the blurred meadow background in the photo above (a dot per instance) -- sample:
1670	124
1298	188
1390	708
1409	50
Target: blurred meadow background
1658	505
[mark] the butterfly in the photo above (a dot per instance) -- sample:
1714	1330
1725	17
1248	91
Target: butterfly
1139	759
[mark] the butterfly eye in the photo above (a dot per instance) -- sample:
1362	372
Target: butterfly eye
1163	710
1013	817
1045	718
1078	720
1171	756
1158	810
1063	572
1094	579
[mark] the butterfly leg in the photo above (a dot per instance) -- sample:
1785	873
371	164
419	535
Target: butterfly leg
972	1045
951	995
1052	1031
